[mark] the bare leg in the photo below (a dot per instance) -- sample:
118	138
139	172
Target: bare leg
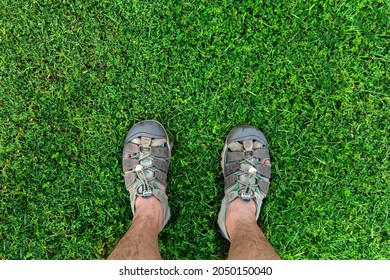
247	240
140	242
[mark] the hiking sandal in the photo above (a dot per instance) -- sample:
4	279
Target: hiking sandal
146	159
245	170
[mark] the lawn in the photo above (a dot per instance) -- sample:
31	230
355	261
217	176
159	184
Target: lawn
312	75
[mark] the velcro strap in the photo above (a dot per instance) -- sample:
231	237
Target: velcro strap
231	168
235	156
130	148
261	153
161	152
161	176
264	170
161	165
129	163
130	178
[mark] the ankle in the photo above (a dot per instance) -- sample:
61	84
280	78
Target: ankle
148	210
240	213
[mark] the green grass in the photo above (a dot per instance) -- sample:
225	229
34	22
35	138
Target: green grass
76	75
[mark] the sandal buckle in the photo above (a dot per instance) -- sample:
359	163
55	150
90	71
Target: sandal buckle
246	196
144	191
147	193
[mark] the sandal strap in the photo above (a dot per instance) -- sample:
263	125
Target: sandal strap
161	152
130	178
129	164
261	182
131	148
235	156
262	169
262	153
161	165
161	177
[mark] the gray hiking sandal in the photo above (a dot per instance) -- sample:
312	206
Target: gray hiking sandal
146	156
245	170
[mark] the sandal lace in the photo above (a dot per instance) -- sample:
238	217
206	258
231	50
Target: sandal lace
247	190
248	185
145	188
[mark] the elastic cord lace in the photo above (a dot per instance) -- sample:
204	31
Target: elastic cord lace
146	188
247	192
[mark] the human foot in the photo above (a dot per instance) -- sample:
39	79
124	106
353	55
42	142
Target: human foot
146	159
246	169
